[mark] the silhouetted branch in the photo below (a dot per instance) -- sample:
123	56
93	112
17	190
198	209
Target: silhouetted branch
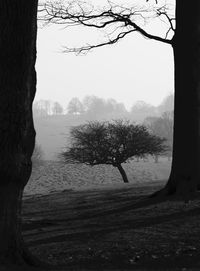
89	47
124	20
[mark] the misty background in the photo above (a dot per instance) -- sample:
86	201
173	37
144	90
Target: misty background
53	120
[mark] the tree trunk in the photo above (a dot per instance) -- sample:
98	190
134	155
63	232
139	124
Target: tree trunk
185	169
18	25
123	173
12	247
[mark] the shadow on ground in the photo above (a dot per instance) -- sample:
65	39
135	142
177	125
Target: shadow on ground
113	229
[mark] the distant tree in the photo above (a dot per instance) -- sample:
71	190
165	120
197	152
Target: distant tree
140	110
94	106
98	108
38	110
168	123
42	108
110	106
115	109
163	127
47	106
111	143
57	109
167	104
75	106
120	108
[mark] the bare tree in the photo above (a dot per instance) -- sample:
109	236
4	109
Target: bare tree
42	108
75	106
57	109
111	143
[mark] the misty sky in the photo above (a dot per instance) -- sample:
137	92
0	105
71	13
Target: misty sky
134	69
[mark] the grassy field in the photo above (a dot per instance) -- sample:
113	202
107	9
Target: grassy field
54	176
110	225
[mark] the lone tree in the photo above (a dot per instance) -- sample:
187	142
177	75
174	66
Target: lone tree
111	143
184	39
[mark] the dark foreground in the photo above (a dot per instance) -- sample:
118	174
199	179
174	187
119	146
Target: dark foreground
109	229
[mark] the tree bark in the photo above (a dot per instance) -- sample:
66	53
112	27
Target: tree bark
12	248
123	173
18	26
185	171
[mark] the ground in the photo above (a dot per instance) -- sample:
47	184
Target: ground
54	176
106	229
114	226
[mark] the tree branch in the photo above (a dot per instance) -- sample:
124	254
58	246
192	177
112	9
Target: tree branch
85	49
75	14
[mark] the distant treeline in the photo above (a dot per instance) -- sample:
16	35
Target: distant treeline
53	122
95	108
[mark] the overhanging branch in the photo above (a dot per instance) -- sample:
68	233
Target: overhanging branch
115	17
85	49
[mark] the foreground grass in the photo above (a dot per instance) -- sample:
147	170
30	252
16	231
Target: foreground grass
109	229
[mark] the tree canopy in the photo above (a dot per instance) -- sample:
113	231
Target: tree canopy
111	143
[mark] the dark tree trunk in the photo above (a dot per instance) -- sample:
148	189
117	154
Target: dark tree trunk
12	247
185	175
18	27
123	173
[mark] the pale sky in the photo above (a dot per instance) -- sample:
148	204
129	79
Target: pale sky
134	69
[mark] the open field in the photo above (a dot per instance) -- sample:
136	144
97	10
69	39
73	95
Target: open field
110	226
54	176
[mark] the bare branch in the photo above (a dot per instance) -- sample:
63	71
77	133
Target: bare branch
162	11
124	17
85	49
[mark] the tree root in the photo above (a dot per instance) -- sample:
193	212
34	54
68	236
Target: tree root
164	192
179	189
